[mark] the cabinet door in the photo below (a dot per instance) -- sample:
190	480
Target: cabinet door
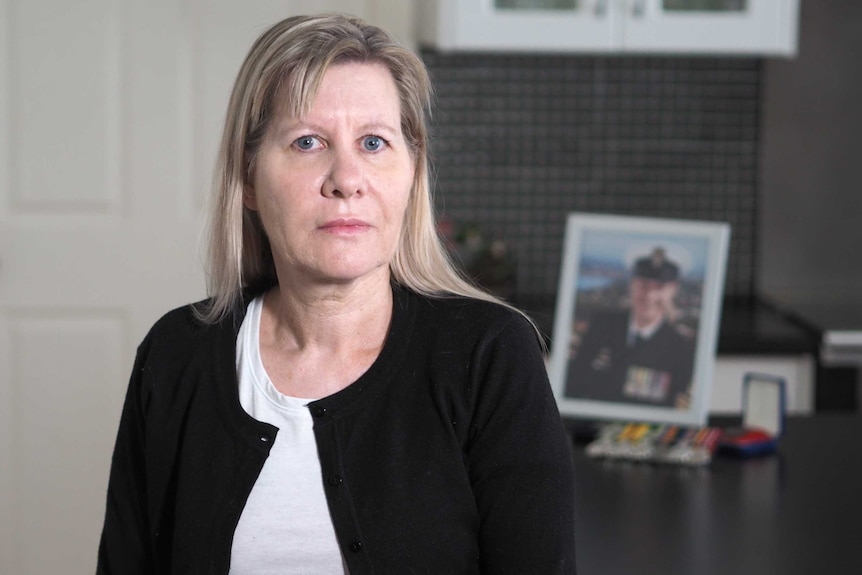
766	27
520	25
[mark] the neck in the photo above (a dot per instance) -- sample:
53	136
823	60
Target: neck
331	318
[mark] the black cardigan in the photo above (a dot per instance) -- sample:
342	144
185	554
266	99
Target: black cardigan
447	456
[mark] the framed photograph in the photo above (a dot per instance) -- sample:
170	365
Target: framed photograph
636	319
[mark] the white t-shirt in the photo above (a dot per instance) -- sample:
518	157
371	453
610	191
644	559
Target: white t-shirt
285	527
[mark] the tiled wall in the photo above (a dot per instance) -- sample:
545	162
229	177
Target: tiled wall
521	140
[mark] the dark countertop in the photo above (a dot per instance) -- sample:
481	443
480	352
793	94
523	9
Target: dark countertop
749	326
838	322
828	315
796	511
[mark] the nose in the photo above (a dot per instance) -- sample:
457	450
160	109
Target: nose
345	177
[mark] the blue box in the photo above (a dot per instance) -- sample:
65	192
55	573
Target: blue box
763	415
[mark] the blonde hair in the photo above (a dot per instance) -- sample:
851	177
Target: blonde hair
282	73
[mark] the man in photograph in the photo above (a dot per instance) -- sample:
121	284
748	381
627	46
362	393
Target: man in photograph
638	355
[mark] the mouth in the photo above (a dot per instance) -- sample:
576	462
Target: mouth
345	226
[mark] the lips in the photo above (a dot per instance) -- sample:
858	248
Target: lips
345	226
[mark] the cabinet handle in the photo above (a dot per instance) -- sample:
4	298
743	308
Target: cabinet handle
601	8
638	8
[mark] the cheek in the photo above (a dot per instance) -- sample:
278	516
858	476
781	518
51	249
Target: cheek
399	203
279	195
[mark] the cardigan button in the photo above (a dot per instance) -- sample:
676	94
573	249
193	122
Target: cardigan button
319	411
335	480
356	546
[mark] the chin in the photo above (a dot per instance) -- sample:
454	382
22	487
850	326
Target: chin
348	273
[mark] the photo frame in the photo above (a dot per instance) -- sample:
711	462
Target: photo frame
636	318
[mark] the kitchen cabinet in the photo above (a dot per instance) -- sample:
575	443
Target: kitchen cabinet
744	27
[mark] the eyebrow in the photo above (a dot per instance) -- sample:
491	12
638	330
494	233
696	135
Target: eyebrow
281	128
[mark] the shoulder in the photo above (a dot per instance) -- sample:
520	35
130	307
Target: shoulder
459	317
173	340
180	351
180	319
186	322
179	325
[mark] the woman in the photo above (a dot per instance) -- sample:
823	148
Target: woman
344	402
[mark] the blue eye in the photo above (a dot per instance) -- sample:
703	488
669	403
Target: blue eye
372	143
305	142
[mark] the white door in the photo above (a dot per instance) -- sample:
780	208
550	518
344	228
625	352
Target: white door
99	235
109	115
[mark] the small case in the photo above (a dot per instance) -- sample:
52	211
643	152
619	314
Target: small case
763	412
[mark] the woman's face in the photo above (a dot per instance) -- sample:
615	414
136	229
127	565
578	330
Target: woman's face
332	187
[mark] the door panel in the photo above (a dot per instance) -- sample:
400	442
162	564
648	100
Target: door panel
110	114
61	423
64	107
100	229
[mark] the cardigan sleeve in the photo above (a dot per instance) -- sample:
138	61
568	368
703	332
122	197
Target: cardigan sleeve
520	459
125	546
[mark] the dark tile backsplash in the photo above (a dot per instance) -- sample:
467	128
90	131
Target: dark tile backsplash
520	140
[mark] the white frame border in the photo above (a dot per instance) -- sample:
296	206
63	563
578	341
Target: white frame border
717	234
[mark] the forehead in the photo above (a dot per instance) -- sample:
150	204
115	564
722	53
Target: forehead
348	88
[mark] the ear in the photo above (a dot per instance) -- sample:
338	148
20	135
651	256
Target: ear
249	198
